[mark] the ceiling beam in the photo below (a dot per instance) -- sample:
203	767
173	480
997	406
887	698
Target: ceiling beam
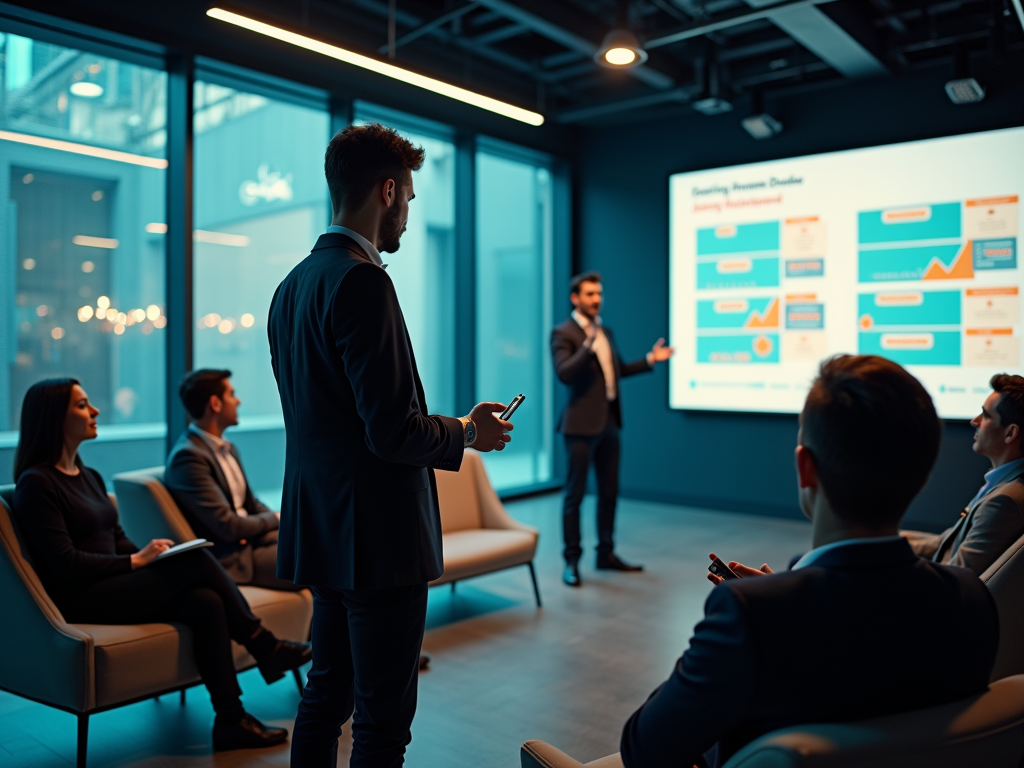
502	33
733	20
569	39
681	95
825	38
430	26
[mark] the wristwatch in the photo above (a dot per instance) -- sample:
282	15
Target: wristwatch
468	431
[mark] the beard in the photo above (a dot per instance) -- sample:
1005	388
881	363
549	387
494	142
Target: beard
391	229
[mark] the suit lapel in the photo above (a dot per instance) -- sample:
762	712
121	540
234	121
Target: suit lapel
218	473
965	522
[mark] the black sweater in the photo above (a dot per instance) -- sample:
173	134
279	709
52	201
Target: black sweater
71	528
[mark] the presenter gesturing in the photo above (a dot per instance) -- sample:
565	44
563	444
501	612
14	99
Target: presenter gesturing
359	514
587	360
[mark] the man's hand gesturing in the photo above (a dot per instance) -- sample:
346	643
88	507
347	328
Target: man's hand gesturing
491	432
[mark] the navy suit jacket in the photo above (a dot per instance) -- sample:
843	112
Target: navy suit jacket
359	509
588	409
867	630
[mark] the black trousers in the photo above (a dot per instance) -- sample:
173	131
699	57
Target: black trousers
602	451
191	588
366	651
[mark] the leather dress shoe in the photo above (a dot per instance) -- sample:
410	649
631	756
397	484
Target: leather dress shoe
571	576
247	733
613	563
287	655
424	661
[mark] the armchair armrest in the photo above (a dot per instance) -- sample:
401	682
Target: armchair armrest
41	656
538	754
492	512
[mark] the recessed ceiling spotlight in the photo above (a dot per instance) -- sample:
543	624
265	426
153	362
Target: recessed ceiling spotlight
86	90
620	49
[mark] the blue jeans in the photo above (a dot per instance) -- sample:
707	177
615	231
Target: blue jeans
366	650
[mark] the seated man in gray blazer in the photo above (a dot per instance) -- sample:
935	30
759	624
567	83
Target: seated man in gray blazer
204	475
994	518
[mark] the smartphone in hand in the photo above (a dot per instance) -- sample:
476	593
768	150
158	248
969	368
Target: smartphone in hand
516	402
722	570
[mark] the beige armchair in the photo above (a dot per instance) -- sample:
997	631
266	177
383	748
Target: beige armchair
85	669
478	535
1005	580
984	730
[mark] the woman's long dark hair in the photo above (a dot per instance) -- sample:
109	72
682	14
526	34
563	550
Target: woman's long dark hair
43	412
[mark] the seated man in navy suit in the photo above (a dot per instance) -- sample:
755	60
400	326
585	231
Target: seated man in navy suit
204	475
860	624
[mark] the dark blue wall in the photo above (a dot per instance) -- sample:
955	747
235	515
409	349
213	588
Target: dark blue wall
733	461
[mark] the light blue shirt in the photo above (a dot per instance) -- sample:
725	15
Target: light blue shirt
995	476
811	557
372	252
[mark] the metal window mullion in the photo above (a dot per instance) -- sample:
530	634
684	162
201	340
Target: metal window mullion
179	287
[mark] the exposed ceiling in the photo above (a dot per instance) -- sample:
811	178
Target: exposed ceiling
539	53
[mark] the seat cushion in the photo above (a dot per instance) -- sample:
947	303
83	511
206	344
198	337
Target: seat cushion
475	552
135	660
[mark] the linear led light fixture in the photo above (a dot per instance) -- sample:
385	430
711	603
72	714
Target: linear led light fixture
380	67
84	149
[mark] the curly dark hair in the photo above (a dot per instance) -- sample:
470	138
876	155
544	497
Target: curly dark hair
874	434
1011	399
359	156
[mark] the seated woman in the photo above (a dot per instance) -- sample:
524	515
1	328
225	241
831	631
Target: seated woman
96	575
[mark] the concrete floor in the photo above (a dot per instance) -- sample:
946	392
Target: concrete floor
503	671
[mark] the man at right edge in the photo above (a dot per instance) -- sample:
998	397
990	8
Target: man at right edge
359	513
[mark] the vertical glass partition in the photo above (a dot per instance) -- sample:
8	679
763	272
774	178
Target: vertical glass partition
82	186
423	269
260	204
514	242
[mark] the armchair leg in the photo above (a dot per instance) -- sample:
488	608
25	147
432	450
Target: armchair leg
453	587
83	739
298	679
536	589
183	697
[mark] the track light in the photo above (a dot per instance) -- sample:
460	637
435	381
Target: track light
963	89
712	103
380	67
760	125
620	49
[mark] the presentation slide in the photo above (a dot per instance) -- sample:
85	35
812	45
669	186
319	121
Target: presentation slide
909	251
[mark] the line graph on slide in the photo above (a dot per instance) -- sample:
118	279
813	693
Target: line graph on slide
921	242
738	330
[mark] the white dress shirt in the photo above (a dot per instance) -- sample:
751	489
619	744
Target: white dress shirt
229	466
603	349
372	252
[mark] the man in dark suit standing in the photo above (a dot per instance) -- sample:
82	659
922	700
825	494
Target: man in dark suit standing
359	513
205	476
587	360
860	624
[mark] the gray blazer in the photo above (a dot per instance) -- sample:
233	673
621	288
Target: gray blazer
984	531
198	485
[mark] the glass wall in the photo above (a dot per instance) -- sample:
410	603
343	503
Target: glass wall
423	269
261	202
514	245
82	260
83	247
